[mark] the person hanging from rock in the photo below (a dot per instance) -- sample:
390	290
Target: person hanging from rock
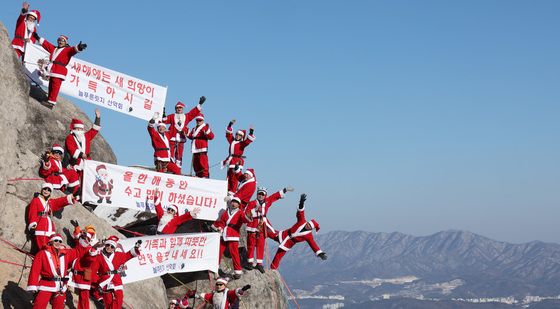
26	26
53	172
178	128
182	303
170	220
81	268
59	58
229	225
200	135
247	184
300	231
39	215
48	276
160	142
222	297
237	147
78	142
257	229
107	269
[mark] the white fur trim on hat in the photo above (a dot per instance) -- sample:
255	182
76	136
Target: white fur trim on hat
236	199
174	207
262	189
240	132
222	280
47	185
55	237
59	148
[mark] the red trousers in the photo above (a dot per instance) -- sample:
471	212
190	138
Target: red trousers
256	240
41	241
43	297
73	180
176	149
170	167
232	181
234	252
200	165
83	298
289	244
113	300
54	88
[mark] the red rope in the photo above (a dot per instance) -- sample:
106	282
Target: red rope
16	247
23	178
288	288
16	264
129	231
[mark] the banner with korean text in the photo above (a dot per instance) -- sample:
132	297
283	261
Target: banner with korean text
98	85
171	253
134	188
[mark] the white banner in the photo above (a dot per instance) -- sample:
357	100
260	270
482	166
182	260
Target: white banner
173	253
98	85
128	187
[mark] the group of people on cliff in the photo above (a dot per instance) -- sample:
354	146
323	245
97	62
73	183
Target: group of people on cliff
94	266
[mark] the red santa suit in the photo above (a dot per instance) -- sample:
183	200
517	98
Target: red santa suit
49	272
53	173
178	129
257	229
107	271
200	135
236	150
230	222
78	143
222	300
81	270
247	186
297	233
39	216
24	31
168	223
161	145
59	59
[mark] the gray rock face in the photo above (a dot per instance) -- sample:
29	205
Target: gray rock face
28	129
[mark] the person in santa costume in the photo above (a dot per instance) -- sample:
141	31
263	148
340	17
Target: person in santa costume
257	229
160	137
26	26
48	276
169	221
107	268
59	58
247	185
39	215
182	303
229	225
178	128
53	172
222	297
200	135
103	185
81	268
300	231
78	142
236	148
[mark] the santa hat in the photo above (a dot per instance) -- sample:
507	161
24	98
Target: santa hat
174	207
241	132
263	190
250	171
47	185
180	104
64	37
76	124
35	14
236	199
57	147
55	237
162	124
174	302
200	116
314	225
112	240
222	280
100	167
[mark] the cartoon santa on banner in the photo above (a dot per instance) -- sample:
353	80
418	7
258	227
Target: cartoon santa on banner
103	185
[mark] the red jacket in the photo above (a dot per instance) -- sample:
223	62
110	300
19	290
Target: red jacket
231	221
75	148
21	33
200	136
47	264
246	188
103	268
226	302
160	143
60	57
40	211
170	226
288	237
82	265
259	210
176	131
236	149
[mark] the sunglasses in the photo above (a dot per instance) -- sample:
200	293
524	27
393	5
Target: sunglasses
58	241
108	245
219	284
57	152
48	189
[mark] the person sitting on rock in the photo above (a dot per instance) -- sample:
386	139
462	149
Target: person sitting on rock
78	142
59	58
39	215
236	148
169	221
300	231
53	172
182	303
222	297
48	276
160	142
26	25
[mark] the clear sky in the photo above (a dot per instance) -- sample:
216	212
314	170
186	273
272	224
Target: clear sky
409	116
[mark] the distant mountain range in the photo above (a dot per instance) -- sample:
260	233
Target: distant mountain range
365	266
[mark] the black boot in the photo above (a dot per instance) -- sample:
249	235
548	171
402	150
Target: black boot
260	268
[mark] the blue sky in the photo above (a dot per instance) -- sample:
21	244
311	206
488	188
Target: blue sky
410	116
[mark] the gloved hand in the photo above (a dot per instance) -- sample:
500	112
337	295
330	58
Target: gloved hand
45	157
36	36
82	46
164	115
323	256
138	244
302	199
246	287
202	100
288	189
74	223
251	131
190	293
236	167
231	123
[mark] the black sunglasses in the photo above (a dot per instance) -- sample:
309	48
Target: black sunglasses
218	284
108	245
58	241
47	189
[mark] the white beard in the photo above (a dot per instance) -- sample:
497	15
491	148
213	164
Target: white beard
81	137
30	25
166	218
218	298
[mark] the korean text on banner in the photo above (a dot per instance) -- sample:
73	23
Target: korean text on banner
134	188
173	253
98	85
